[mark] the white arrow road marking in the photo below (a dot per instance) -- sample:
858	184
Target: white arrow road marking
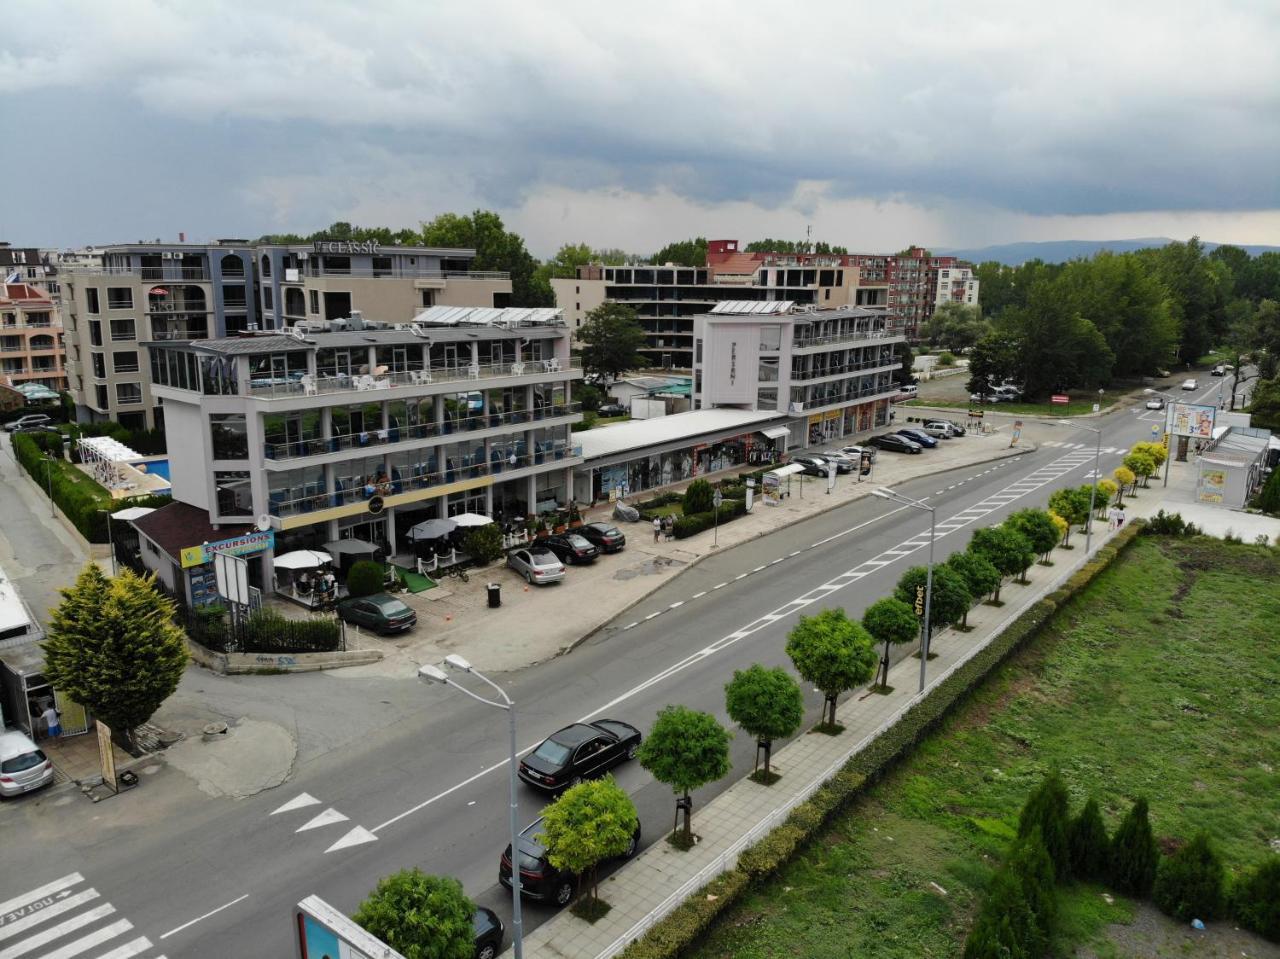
326	818
301	802
11	929
39	892
354	838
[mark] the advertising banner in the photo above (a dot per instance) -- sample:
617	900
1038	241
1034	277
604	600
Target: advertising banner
1213	485
325	933
1194	421
245	545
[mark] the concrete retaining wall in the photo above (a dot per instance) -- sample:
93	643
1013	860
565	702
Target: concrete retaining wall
231	664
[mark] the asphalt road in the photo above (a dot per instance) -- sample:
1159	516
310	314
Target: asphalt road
430	788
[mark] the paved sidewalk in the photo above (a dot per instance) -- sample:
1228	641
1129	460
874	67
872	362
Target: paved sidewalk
538	623
661	877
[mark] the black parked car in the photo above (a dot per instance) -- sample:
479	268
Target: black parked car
612	409
813	465
606	536
579	752
571	548
919	437
895	443
489	933
538	878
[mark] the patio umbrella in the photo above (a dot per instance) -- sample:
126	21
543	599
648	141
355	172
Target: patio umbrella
471	519
432	529
354	547
303	559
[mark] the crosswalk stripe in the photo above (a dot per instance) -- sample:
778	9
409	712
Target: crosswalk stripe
11	929
56	932
40	892
141	944
95	938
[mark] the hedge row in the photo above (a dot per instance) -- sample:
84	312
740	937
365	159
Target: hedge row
689	922
691	525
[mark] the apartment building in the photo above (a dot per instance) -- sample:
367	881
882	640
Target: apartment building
176	292
30	266
317	435
31	337
955	284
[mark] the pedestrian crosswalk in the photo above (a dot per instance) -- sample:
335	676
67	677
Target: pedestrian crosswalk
1056	444
66	919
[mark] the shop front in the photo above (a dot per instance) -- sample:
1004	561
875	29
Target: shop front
197	564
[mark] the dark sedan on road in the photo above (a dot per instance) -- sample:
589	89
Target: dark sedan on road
571	548
812	465
895	443
380	612
538	878
919	436
489	932
579	752
606	536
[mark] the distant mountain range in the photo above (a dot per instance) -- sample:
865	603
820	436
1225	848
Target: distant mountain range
1059	251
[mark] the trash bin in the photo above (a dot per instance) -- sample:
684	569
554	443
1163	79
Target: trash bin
495	595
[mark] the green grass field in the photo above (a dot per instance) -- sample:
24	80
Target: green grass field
1077	406
1160	680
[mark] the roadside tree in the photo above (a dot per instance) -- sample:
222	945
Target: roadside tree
685	749
1073	506
1061	525
979	576
113	646
589	823
1037	527
1155	450
951	597
1125	478
834	653
420	916
1006	549
768	704
892	622
611	338
1141	463
1106	495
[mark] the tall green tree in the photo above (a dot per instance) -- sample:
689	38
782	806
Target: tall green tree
1058	349
685	749
1046	809
683	253
956	326
767	703
113	646
420	916
1088	843
951	598
892	622
611	337
793	246
496	248
587	824
993	359
1134	855
980	577
834	653
1004	548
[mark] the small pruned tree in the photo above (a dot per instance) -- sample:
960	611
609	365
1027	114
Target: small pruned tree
1141	464
1006	549
1106	496
1133	852
420	916
1126	479
834	653
1061	525
484	543
698	498
768	704
685	749
892	622
1156	451
1028	554
587	824
951	597
981	578
1034	867
1255	899
1046	810
1037	526
1089	845
1071	505
365	578
1189	884
113	646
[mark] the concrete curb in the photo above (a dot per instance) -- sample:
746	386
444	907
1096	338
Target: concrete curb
565	650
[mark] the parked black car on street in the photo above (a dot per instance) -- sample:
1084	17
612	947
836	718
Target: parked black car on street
606	536
489	932
571	548
895	443
578	752
919	437
538	878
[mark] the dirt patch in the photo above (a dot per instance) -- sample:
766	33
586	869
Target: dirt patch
1152	935
650	567
979	713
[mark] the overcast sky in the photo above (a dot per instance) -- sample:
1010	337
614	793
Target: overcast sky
879	124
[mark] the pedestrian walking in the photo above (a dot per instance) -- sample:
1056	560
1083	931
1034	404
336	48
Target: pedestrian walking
1119	517
1112	518
52	721
657	528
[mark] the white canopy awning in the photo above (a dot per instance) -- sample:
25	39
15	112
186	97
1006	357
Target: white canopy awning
789	470
132	513
471	519
303	559
776	432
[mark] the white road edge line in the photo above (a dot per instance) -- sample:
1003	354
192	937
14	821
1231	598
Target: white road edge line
700	595
212	912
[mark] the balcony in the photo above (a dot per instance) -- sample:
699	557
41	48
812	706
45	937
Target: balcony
369	439
817	342
302	385
420	479
844	369
302	273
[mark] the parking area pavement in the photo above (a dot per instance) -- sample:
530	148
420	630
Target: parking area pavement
536	623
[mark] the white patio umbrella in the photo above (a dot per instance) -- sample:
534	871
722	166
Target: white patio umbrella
303	559
471	519
432	529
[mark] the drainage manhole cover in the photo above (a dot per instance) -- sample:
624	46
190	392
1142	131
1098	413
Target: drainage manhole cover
215	729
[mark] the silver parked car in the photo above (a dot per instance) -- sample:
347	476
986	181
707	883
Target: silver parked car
857	452
536	564
23	765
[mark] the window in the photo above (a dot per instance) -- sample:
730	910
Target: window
119	298
128	394
100	393
95	332
124	361
315	301
768	369
382	266
771	337
229	435
266	298
91	300
234	496
337	264
428	298
123	330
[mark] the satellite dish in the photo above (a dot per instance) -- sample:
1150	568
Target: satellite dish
264	523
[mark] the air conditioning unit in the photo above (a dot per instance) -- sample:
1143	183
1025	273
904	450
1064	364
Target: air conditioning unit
797	407
169	256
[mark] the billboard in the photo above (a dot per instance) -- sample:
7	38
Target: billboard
1192	420
325	933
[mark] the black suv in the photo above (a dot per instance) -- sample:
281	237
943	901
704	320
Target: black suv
538	878
608	537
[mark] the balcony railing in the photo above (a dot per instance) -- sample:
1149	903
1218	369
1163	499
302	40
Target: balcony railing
842	369
147	273
845	396
419	478
807	342
406	272
368	439
305	385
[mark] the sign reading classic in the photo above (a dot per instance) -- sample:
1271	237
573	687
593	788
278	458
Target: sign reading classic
346	246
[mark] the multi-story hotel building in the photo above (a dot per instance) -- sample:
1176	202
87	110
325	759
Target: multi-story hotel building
955	284
31	347
30	266
175	292
317	435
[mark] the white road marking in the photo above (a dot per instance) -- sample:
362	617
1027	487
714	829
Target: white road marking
129	949
652	615
757	569
326	818
743	575
301	802
775	562
795	552
630	626
700	595
48	889
355	837
12	928
719	585
676	605
57	932
85	943
211	912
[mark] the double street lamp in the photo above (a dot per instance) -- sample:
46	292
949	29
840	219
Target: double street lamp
896	497
436	675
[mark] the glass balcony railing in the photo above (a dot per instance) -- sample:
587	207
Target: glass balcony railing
843	369
368	439
304	384
807	342
419	478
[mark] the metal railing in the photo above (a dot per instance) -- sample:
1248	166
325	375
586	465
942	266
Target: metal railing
146	273
879	364
807	342
304	385
367	439
403	273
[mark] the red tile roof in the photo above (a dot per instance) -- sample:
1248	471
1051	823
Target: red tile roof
175	527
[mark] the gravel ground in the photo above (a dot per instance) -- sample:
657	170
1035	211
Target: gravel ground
1153	935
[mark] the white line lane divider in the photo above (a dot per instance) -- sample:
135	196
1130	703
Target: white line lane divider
211	912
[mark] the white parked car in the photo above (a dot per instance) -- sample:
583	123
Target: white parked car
1155	403
1189	384
955	428
23	765
858	451
939	431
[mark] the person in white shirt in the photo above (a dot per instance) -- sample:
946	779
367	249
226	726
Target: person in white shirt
52	722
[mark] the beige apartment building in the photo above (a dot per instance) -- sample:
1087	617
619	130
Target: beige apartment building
31	346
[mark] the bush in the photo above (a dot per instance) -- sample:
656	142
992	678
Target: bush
1033	867
483	544
698	497
1255	900
589	396
690	525
1269	498
588	420
366	578
1046	810
269	632
1088	843
1169	524
1189	883
946	359
1133	853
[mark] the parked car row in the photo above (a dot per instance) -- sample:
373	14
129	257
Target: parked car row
1005	393
913	439
543	561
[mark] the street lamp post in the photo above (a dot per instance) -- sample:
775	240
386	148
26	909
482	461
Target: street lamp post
1168	431
436	675
927	628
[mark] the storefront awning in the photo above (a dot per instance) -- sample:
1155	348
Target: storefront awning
776	432
789	470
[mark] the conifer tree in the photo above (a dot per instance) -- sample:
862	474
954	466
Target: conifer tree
1133	852
1088	842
